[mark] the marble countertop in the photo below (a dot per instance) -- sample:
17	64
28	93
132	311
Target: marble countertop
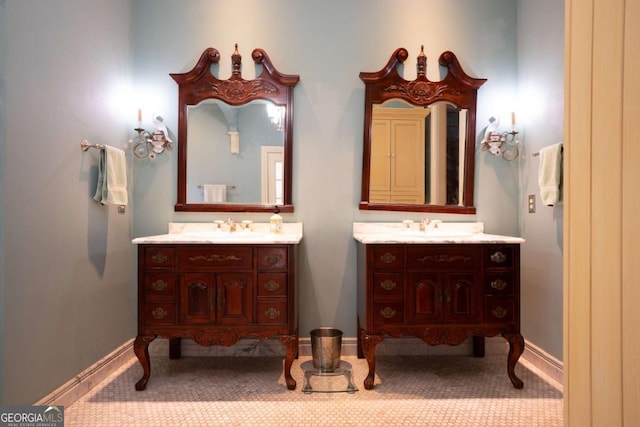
207	233
446	232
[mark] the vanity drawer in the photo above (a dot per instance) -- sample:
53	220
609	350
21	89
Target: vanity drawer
444	257
387	257
272	284
499	310
160	313
272	258
158	256
498	284
215	257
272	312
388	284
160	285
388	312
498	256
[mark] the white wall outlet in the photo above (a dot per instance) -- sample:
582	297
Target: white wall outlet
532	203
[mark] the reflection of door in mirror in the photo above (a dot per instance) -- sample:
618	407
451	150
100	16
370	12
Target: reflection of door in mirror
272	175
211	158
416	153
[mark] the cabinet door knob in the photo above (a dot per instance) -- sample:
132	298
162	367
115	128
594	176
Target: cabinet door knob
272	285
499	312
159	313
388	313
159	285
498	284
387	258
272	313
498	257
388	285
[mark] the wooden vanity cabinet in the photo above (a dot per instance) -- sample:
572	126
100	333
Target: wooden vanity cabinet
441	293
215	295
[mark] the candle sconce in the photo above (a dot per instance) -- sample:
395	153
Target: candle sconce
499	143
149	144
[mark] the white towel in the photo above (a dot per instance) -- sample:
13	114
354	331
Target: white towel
215	193
112	177
550	174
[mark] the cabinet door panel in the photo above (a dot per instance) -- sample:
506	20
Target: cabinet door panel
197	298
424	298
461	298
234	298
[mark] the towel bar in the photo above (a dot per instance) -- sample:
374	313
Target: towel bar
84	145
228	186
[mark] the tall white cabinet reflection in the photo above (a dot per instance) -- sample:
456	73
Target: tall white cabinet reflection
398	155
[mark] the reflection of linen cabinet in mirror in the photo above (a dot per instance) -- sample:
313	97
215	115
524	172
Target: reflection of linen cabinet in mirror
235	139
419	139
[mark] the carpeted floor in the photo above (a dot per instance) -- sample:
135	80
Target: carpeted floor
420	391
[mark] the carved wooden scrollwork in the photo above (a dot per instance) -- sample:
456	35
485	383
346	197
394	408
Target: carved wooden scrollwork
456	88
199	84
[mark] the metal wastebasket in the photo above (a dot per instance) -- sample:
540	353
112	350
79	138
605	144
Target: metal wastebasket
326	344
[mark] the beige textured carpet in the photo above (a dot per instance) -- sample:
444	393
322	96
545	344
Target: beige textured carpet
421	391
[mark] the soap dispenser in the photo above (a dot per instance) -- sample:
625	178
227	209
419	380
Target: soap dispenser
275	221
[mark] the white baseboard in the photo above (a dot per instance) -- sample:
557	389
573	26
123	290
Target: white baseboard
543	363
79	385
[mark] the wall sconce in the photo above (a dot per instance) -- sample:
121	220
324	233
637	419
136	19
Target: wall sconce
502	144
149	144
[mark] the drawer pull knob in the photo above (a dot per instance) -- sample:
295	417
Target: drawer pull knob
388	285
272	285
272	313
498	257
215	257
388	313
159	258
159	285
159	313
498	284
499	312
272	259
387	258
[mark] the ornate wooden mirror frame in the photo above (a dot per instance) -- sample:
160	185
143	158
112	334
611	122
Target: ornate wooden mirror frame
456	88
200	84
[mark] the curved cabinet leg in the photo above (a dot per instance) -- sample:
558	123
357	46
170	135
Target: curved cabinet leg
141	350
291	344
516	347
369	343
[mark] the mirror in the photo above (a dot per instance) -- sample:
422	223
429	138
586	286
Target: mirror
419	138
235	140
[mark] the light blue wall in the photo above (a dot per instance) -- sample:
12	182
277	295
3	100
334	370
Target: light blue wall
67	277
541	87
328	44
